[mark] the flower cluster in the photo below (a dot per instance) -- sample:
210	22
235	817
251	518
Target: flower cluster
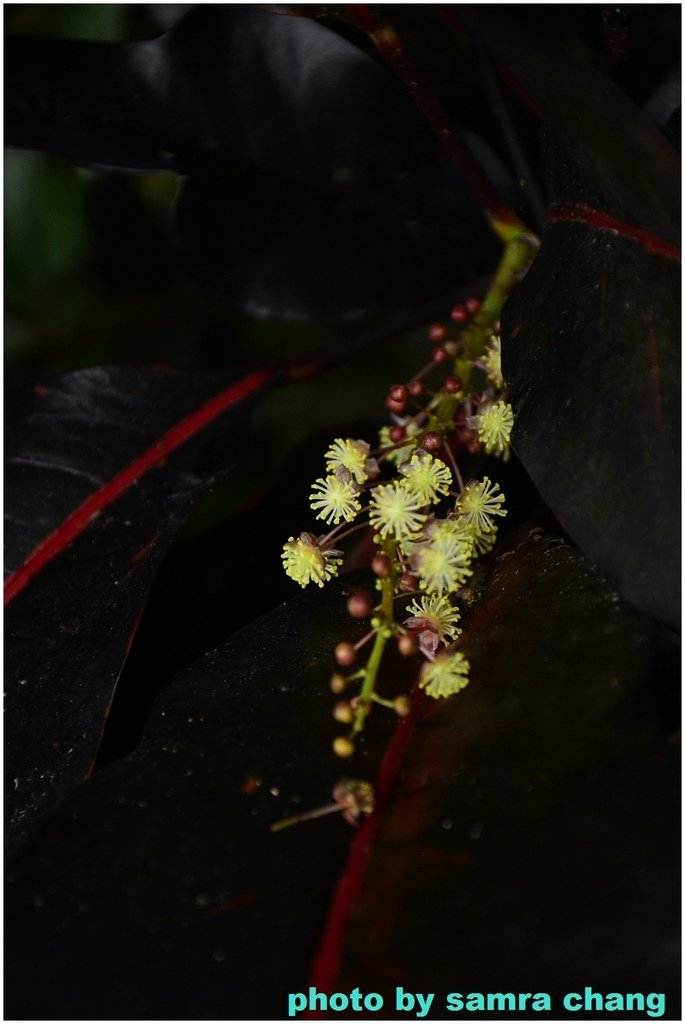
429	527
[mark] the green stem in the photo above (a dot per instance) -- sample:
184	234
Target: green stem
374	662
517	256
382	701
367	689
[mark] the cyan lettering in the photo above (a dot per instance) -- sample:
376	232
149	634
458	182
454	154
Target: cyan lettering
656	1004
424	1003
501	1001
573	1001
613	1001
313	997
454	1001
403	1000
593	1000
297	1002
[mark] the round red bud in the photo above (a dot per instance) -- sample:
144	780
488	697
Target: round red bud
431	441
381	565
398	393
345	653
416	388
458	314
472	305
359	604
440	355
394	406
452	384
436	332
397	434
407	645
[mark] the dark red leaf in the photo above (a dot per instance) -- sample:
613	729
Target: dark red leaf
522	839
591	352
314	187
103	466
620	153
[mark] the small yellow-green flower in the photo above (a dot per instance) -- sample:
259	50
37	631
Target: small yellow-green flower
483	540
443	531
351	455
443	565
394	510
427	477
479	502
492	362
448	674
336	497
494	422
438	612
305	562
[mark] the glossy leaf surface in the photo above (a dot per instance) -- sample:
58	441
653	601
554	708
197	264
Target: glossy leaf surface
591	351
103	466
315	188
503	847
620	153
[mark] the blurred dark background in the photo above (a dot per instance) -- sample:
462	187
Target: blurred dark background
92	277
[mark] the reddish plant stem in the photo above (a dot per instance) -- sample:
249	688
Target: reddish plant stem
503	220
329	956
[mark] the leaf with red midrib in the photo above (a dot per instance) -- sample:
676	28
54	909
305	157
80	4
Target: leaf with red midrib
621	154
103	466
504	832
591	354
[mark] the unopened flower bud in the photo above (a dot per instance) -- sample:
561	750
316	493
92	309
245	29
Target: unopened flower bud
342	712
401	706
407	645
345	653
381	565
337	683
431	441
359	604
343	747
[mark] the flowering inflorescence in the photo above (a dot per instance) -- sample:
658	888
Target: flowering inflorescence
429	526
